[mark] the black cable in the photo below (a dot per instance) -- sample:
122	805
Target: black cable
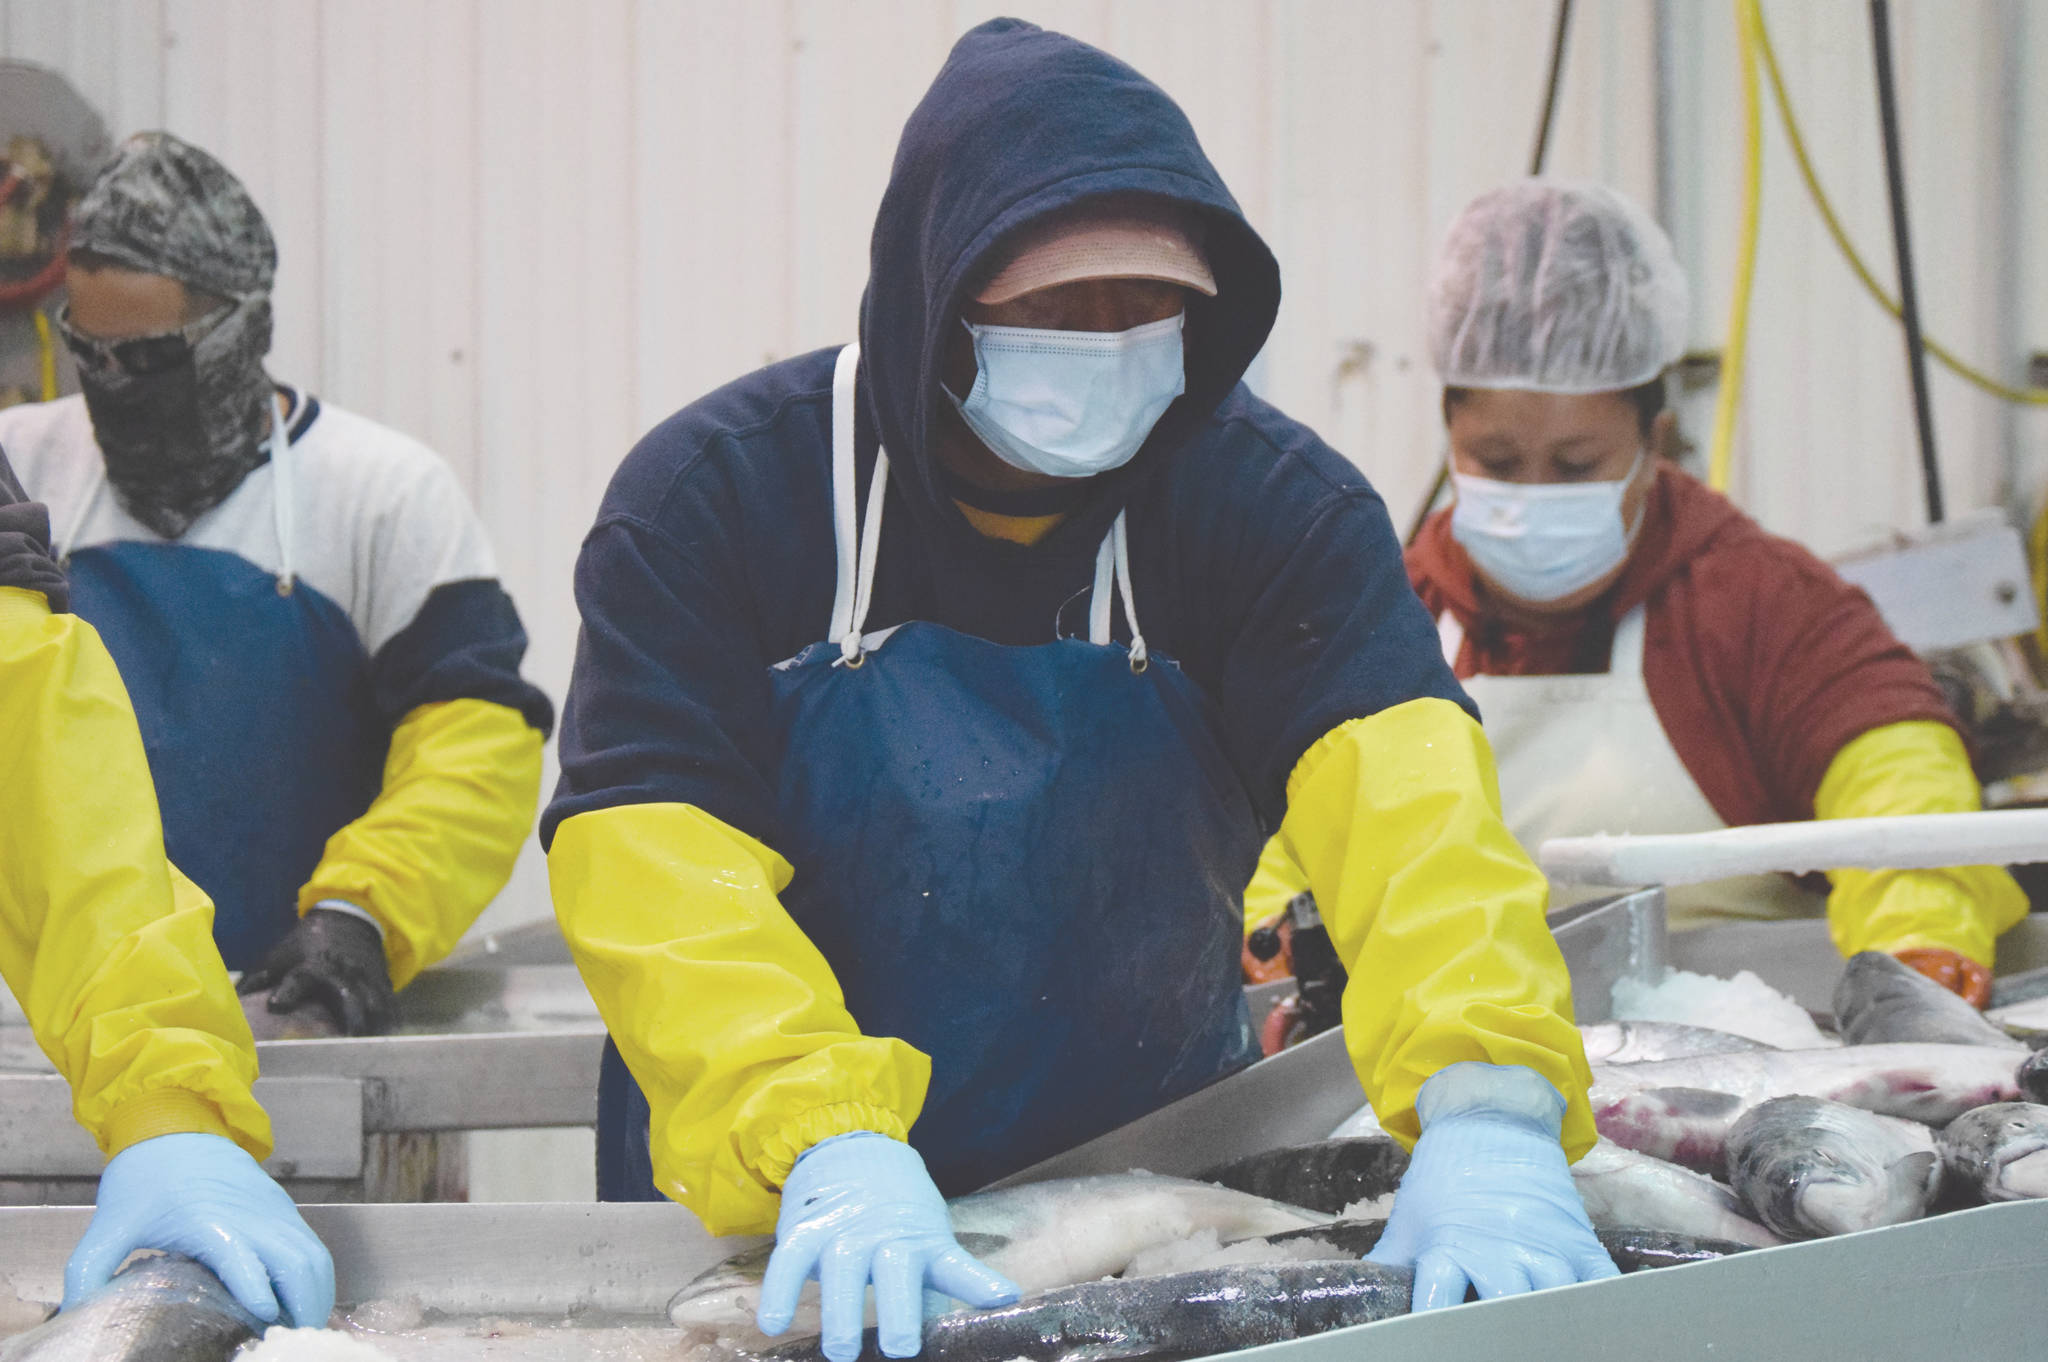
1909	301
1536	160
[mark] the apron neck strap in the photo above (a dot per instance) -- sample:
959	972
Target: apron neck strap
857	550
1624	656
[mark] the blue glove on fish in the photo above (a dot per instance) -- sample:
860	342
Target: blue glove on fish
1488	1199
201	1196
862	1206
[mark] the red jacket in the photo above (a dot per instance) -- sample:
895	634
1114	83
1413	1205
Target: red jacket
1761	662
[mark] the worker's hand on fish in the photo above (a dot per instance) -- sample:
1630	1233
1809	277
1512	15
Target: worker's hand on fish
859	1207
1957	973
202	1196
1488	1199
335	959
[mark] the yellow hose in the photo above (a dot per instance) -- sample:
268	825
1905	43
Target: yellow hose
1947	357
1721	450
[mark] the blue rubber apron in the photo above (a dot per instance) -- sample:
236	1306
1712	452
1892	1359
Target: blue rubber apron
1028	862
253	694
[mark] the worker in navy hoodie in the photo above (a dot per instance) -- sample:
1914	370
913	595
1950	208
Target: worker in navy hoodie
936	693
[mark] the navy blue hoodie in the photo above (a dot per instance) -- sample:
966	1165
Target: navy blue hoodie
1261	560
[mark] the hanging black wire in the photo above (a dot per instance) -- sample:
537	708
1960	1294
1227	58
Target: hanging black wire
1909	299
1536	160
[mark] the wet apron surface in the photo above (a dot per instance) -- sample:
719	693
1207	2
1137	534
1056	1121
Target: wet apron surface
1028	862
253	694
1581	755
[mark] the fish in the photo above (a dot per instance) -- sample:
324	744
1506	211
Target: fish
1041	1235
1329	1176
1999	1151
1811	1168
167	1308
1642	1042
1622	1188
1879	1000
1153	1319
1633	1249
1681	1110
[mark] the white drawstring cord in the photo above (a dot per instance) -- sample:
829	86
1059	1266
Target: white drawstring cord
1123	585
283	513
870	551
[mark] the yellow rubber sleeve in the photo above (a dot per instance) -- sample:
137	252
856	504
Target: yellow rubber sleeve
1274	885
1435	909
109	949
1905	768
461	784
722	1008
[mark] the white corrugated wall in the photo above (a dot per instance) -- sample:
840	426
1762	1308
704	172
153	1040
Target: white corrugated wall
527	229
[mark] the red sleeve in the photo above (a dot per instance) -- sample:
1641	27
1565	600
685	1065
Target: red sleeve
1763	664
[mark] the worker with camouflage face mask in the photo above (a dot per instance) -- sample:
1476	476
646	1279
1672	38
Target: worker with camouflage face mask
302	602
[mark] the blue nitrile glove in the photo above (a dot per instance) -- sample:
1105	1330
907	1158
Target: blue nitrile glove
1488	1199
859	1206
201	1196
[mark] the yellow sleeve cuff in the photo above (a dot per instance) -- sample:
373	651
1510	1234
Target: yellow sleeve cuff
1435	909
780	1151
19	605
1909	768
165	1111
1276	883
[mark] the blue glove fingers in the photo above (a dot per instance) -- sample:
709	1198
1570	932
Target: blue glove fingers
899	1269
301	1272
1548	1270
793	1263
842	1298
967	1279
1439	1281
92	1263
1594	1264
1497	1274
242	1270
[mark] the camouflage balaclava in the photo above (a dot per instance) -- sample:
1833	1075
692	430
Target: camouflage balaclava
178	442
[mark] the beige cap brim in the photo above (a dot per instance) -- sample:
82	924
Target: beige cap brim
1104	248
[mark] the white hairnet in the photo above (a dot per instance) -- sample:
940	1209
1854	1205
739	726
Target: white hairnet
1556	286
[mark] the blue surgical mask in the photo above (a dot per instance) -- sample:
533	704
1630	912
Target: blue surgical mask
1542	541
1071	404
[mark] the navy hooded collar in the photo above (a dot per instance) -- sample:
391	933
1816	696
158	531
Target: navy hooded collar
1020	124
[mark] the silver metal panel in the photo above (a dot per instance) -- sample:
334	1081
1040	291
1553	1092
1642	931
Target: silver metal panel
1295	1097
1965	582
498	1081
318	1123
534	1259
1968	1283
1608	940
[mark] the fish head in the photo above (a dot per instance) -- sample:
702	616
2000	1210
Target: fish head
2003	1148
1843	1193
725	1294
2033	1076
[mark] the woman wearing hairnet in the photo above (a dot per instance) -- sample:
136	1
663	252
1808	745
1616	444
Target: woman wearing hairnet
1645	657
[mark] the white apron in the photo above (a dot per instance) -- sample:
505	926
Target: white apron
1580	755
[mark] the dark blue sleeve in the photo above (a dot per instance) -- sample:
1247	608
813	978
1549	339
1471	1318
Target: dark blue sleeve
669	702
464	644
25	543
1321	625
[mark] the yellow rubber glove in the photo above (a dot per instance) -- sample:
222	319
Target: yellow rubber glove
725	1012
1435	909
461	784
108	947
1905	768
